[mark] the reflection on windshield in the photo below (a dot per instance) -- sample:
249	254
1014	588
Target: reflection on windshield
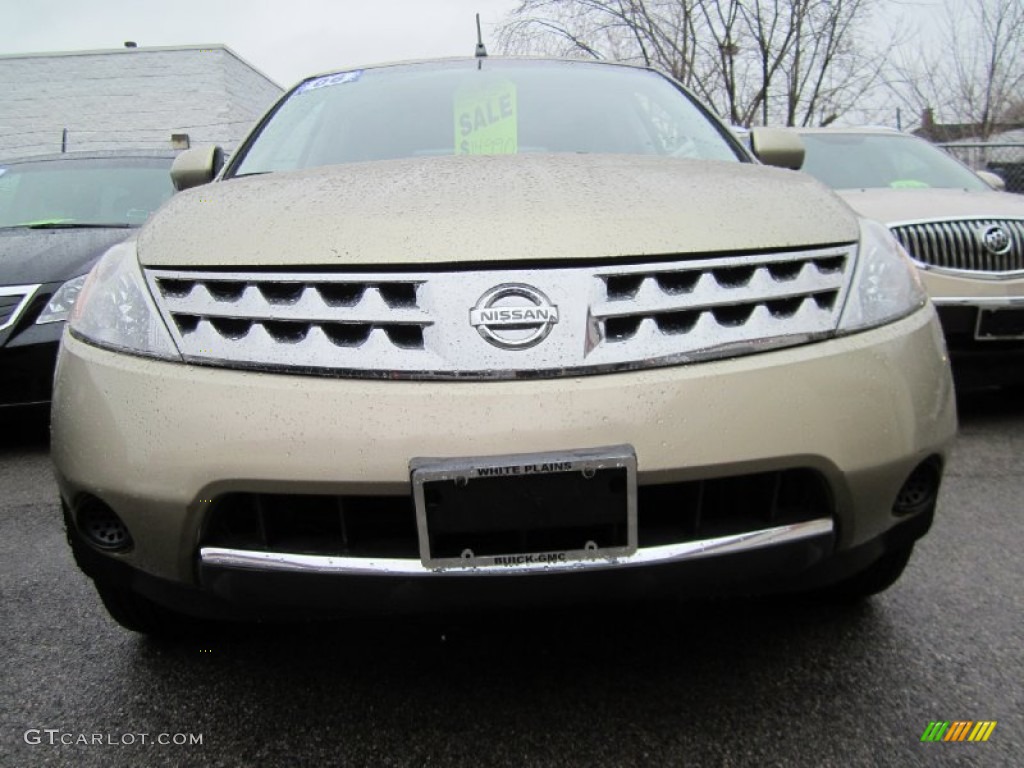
74	193
871	161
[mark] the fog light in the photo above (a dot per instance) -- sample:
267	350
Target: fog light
102	528
920	490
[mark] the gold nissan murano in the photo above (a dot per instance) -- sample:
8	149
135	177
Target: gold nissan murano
484	331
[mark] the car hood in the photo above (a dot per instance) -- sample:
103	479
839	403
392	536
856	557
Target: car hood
894	206
52	255
493	208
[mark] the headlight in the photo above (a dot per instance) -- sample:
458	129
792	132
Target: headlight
115	310
886	286
60	304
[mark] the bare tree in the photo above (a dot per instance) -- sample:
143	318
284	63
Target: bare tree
652	32
793	61
832	67
975	76
772	34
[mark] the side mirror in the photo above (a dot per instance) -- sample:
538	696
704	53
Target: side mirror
774	146
196	166
994	180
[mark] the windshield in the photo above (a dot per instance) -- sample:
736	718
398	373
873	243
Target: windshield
866	161
482	106
83	192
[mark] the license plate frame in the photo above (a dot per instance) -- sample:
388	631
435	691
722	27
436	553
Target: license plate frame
999	324
526	498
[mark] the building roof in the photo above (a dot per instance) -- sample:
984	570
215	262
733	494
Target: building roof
129	50
128	98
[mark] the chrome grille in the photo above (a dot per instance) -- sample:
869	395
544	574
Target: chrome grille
715	302
288	308
958	245
13	300
418	325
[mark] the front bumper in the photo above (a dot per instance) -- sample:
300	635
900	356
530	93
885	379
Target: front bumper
28	353
239	594
977	359
157	441
26	373
27	364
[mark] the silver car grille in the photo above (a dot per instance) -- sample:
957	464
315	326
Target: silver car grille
960	245
420	324
13	300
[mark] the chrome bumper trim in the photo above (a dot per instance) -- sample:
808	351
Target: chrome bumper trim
970	274
988	302
366	566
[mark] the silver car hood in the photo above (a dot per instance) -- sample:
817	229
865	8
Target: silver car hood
894	206
496	208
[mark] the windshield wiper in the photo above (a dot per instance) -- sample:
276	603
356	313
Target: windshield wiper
59	224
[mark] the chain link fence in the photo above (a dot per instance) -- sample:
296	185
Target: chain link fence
1004	159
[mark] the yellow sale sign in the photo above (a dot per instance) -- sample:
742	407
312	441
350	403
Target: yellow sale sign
486	121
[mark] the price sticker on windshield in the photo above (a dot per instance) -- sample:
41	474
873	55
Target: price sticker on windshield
486	122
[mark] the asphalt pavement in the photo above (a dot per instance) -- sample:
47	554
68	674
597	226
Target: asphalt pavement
732	683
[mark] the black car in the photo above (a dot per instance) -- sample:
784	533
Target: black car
58	215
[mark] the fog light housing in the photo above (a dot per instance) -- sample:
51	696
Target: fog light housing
920	490
102	528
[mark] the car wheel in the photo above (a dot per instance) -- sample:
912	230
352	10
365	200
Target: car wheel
139	614
877	577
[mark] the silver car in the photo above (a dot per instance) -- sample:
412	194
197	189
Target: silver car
485	331
964	233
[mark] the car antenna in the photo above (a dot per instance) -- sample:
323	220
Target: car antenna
481	50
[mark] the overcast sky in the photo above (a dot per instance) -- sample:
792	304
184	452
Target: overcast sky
291	39
285	39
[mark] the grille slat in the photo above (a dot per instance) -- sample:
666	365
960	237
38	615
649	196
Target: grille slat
13	300
241	318
708	293
306	306
958	244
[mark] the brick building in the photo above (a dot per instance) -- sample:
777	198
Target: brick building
128	97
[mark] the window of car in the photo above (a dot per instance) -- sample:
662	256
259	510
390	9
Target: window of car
485	106
871	160
83	191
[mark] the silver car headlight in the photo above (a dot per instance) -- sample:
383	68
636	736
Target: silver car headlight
115	309
886	286
59	306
